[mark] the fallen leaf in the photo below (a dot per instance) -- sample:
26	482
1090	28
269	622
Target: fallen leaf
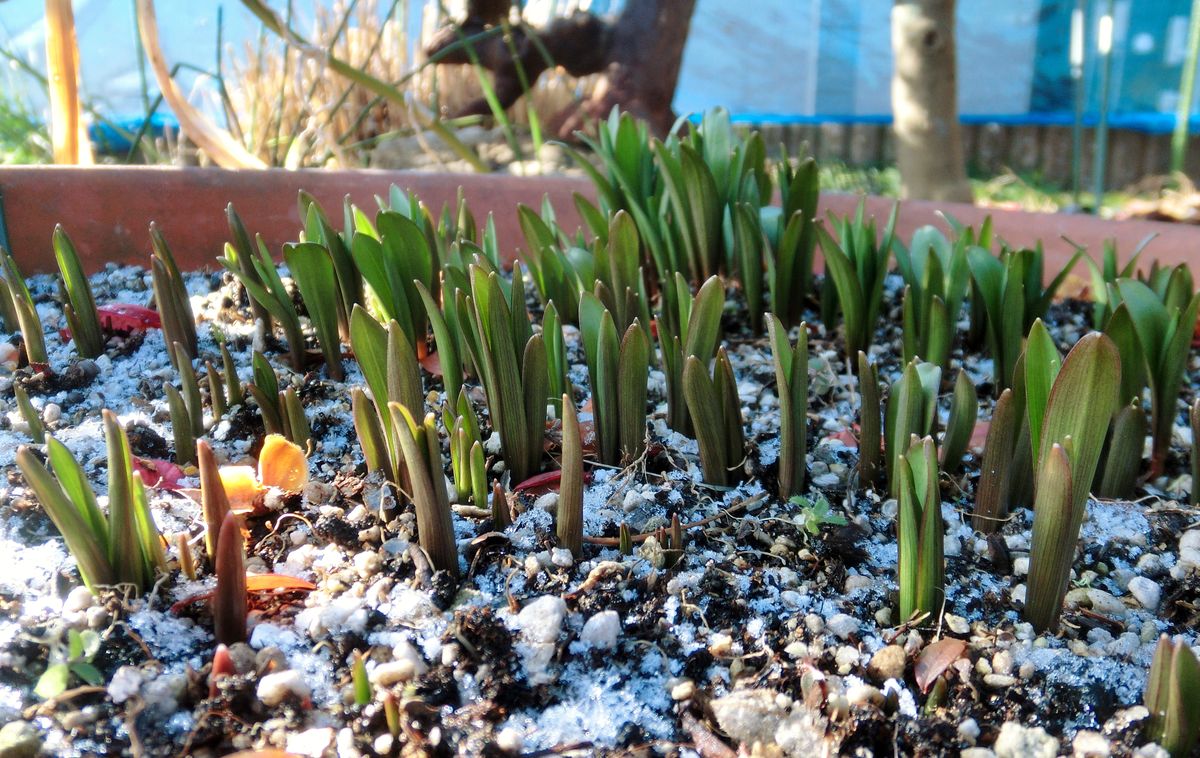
935	659
844	436
432	364
158	473
265	582
125	318
539	484
254	583
979	435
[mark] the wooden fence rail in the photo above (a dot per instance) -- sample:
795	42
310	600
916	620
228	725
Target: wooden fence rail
994	148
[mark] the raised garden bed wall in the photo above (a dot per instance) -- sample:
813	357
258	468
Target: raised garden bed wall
107	211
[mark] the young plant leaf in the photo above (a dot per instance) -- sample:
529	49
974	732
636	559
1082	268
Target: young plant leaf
314	274
423	460
791	380
229	600
964	410
80	310
570	489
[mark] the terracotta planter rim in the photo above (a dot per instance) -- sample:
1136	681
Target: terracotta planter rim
107	211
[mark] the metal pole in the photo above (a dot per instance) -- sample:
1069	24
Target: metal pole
1078	22
1187	82
1104	39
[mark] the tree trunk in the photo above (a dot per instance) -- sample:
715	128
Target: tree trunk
644	61
925	103
639	55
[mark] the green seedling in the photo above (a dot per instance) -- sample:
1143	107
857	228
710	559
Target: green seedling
1083	393
80	308
791	380
717	415
919	532
617	370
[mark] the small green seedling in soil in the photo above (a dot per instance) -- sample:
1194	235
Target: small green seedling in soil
815	514
74	660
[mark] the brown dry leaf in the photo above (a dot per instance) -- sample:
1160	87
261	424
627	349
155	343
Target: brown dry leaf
935	659
282	464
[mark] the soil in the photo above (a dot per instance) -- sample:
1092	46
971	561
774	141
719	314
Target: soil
758	637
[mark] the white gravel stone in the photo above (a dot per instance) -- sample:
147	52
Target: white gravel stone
601	631
1150	564
510	740
273	689
968	731
540	623
1090	744
1002	662
956	624
857	582
683	690
312	742
1189	549
541	619
392	672
561	557
846	657
1145	591
79	599
492	444
126	682
547	502
1017	741
842	625
814	623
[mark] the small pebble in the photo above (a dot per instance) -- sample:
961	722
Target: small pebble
842	625
510	740
79	599
956	624
1002	662
1018	741
1090	744
857	582
887	663
1146	591
125	683
864	694
20	739
683	690
392	672
968	731
601	630
273	689
562	557
51	413
720	645
814	623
